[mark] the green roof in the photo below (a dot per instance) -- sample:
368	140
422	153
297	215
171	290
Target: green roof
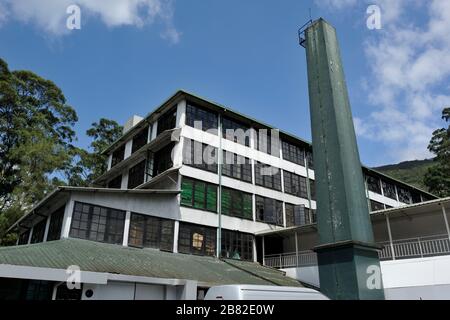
108	258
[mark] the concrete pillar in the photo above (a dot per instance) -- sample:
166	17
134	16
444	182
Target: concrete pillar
444	213
126	228
68	211
388	224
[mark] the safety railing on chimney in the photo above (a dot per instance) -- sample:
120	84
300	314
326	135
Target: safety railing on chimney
403	249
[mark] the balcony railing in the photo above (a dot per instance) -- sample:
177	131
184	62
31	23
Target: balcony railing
416	248
403	249
290	260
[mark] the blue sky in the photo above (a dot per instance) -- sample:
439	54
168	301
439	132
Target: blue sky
130	55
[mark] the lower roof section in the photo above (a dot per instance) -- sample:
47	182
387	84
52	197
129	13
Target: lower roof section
97	257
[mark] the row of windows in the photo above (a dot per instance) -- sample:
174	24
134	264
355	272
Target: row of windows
299	215
153	232
201	240
390	190
267	176
166	122
237	167
202	195
200	155
54	229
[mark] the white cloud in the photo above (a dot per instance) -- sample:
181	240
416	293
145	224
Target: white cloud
335	4
50	15
410	69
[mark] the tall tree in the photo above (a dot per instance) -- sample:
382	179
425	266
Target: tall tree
36	135
437	178
89	165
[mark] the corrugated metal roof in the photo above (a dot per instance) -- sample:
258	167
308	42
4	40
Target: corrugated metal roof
107	258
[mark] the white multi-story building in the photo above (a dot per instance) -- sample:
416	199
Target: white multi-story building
194	178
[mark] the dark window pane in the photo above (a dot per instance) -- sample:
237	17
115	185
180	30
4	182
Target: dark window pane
115	183
196	239
404	195
236	245
97	223
373	184
38	232
267	142
55	226
151	232
163	160
375	206
293	153
208	119
23	237
235	131
389	190
295	184
136	175
139	140
235	166
269	210
200	156
167	121
118	156
267	176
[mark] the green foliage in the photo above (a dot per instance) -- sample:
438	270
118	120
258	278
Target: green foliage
88	166
411	172
36	135
438	176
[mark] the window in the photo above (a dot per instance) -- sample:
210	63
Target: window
266	142
38	232
38	290
56	221
415	197
97	223
267	176
375	206
404	195
293	153
236	166
198	194
167	121
23	237
237	203
295	185
136	175
309	159
64	293
389	190
200	155
118	155
115	183
237	245
235	131
269	210
208	119
163	160
312	189
299	215
196	239
373	184
151	232
139	140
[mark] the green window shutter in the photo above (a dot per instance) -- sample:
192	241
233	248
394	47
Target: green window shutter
211	197
248	206
226	200
186	192
237	203
199	195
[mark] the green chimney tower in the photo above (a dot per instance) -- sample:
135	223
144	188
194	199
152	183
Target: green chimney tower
349	267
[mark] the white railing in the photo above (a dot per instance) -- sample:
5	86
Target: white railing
403	249
416	247
289	260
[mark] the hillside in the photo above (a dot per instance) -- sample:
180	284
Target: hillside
411	172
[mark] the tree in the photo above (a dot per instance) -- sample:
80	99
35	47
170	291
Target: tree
88	166
437	178
36	135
